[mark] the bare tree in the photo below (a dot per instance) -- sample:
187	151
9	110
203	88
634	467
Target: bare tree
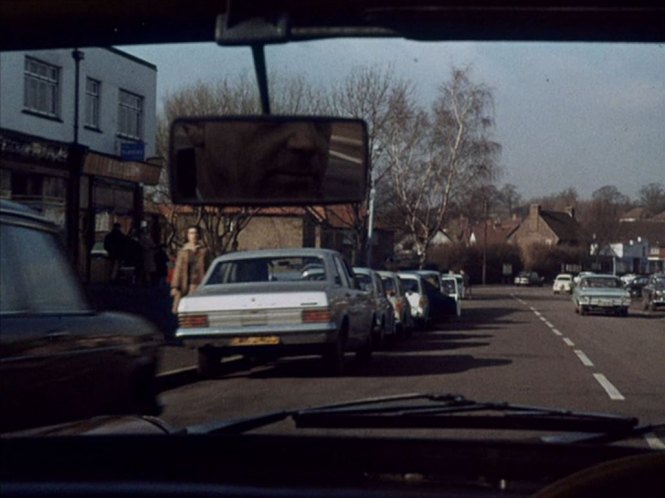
652	197
607	205
368	93
436	159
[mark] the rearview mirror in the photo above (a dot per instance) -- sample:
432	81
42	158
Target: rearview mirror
268	160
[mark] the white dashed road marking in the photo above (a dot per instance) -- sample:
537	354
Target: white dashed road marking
653	442
557	332
611	391
568	342
583	358
549	324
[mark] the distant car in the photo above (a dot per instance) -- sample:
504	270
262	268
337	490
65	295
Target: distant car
461	286
384	315
449	287
563	283
397	296
276	303
636	285
414	288
653	294
60	360
602	293
576	278
528	278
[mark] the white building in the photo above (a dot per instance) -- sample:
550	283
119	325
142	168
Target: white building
47	156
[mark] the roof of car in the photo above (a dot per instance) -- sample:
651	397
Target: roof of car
263	253
68	23
19	211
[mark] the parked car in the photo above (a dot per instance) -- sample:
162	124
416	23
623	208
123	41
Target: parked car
449	287
563	283
397	297
653	294
461	285
636	285
384	315
414	289
603	293
59	359
276	303
528	278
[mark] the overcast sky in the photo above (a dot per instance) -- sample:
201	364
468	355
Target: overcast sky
567	115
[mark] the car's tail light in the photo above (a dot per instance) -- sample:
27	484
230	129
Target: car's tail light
193	321
316	315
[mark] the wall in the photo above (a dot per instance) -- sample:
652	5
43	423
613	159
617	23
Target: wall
271	232
113	68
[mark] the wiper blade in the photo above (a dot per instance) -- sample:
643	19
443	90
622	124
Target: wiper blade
449	411
433	411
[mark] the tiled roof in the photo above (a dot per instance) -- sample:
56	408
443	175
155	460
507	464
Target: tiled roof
653	231
562	224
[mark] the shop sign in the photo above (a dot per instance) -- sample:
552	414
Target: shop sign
32	149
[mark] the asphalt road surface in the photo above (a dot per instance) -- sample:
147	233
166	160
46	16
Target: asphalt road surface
520	345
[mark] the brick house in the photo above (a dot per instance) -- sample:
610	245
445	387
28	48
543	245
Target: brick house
552	228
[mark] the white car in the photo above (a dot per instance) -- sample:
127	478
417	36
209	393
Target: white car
563	283
414	288
450	288
277	303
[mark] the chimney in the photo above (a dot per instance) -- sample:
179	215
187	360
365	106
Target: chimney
571	211
534	217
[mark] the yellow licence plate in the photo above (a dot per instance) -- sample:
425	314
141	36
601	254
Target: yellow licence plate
255	341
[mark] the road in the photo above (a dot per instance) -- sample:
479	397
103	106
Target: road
520	345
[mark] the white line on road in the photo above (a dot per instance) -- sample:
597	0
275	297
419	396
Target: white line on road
653	442
568	342
557	332
583	358
537	312
611	391
549	324
543	318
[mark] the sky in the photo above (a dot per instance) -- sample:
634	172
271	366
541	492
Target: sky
575	115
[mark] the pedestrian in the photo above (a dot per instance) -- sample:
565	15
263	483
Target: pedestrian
115	244
148	250
190	266
467	283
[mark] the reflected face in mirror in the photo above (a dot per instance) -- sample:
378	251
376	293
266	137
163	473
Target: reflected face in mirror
259	159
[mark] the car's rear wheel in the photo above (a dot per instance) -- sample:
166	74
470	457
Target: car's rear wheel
333	356
364	352
209	359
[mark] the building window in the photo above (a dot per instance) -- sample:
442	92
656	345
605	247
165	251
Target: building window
42	87
92	95
130	115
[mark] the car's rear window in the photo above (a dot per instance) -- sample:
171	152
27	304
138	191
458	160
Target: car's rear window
268	269
598	282
410	284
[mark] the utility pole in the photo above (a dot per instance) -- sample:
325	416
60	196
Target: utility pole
76	159
485	240
370	222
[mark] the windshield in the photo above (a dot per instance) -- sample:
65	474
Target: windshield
599	282
486	158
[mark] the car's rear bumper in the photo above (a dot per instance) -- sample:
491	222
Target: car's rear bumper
304	337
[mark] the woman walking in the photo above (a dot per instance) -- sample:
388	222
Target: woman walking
190	266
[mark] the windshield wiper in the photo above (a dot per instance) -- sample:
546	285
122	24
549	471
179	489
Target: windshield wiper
434	411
